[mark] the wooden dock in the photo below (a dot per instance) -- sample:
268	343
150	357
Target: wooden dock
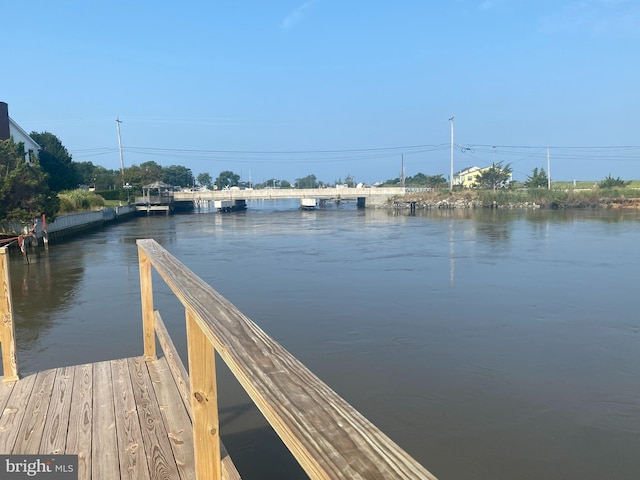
144	417
123	418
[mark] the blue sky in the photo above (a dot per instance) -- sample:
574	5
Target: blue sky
333	88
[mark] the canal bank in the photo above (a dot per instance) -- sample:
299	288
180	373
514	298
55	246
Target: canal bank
519	199
63	227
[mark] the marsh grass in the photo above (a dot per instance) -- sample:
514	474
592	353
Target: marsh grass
554	198
79	200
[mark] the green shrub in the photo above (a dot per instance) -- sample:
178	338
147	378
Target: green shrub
610	182
66	204
79	200
110	194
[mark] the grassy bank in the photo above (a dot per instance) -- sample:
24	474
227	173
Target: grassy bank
555	198
72	201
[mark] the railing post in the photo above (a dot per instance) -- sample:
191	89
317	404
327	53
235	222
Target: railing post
7	329
204	402
146	298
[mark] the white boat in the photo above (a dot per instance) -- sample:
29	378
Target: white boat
223	205
307	203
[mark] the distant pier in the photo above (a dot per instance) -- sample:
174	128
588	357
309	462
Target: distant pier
365	197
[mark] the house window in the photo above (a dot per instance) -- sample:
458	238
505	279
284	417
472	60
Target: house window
469	178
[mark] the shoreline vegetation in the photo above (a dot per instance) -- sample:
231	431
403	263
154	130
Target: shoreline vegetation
555	199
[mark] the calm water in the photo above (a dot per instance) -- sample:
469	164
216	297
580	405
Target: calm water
489	344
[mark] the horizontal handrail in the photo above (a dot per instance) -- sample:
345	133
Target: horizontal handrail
328	437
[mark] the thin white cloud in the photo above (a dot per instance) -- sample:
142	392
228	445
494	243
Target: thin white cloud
487	5
494	4
297	15
596	17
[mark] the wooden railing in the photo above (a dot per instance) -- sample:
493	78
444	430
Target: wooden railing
168	198
7	329
328	437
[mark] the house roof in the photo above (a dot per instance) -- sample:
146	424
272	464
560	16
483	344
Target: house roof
158	185
13	125
468	170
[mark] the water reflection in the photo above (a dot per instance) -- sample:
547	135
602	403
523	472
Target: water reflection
40	290
496	230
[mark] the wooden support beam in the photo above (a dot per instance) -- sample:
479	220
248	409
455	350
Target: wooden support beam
146	299
204	402
7	329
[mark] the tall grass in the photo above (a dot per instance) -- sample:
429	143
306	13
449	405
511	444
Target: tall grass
549	198
79	200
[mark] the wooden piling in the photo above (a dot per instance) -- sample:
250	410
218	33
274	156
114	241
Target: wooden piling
7	329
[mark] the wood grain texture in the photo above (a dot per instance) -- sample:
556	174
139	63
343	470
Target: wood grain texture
79	440
328	437
204	402
104	442
154	435
30	433
14	412
54	438
146	299
7	329
131	454
5	393
98	412
175	418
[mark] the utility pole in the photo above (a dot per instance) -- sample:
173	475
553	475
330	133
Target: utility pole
451	173
548	170
118	122
402	170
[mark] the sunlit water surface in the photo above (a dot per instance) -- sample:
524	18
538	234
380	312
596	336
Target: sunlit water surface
488	344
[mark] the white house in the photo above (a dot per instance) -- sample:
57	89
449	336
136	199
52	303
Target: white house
10	129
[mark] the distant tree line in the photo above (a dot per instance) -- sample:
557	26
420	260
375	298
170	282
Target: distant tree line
419	180
32	186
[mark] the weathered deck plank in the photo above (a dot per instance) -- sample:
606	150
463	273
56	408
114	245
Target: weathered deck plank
124	418
104	445
54	437
13	413
79	440
154	435
133	461
175	418
5	393
32	427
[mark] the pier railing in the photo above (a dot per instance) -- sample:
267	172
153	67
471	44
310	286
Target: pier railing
7	329
328	437
168	198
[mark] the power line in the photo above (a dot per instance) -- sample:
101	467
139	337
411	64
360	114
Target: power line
556	146
289	152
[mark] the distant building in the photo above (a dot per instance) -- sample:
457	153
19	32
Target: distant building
10	129
467	177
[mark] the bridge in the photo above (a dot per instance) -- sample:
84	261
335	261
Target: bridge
364	196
